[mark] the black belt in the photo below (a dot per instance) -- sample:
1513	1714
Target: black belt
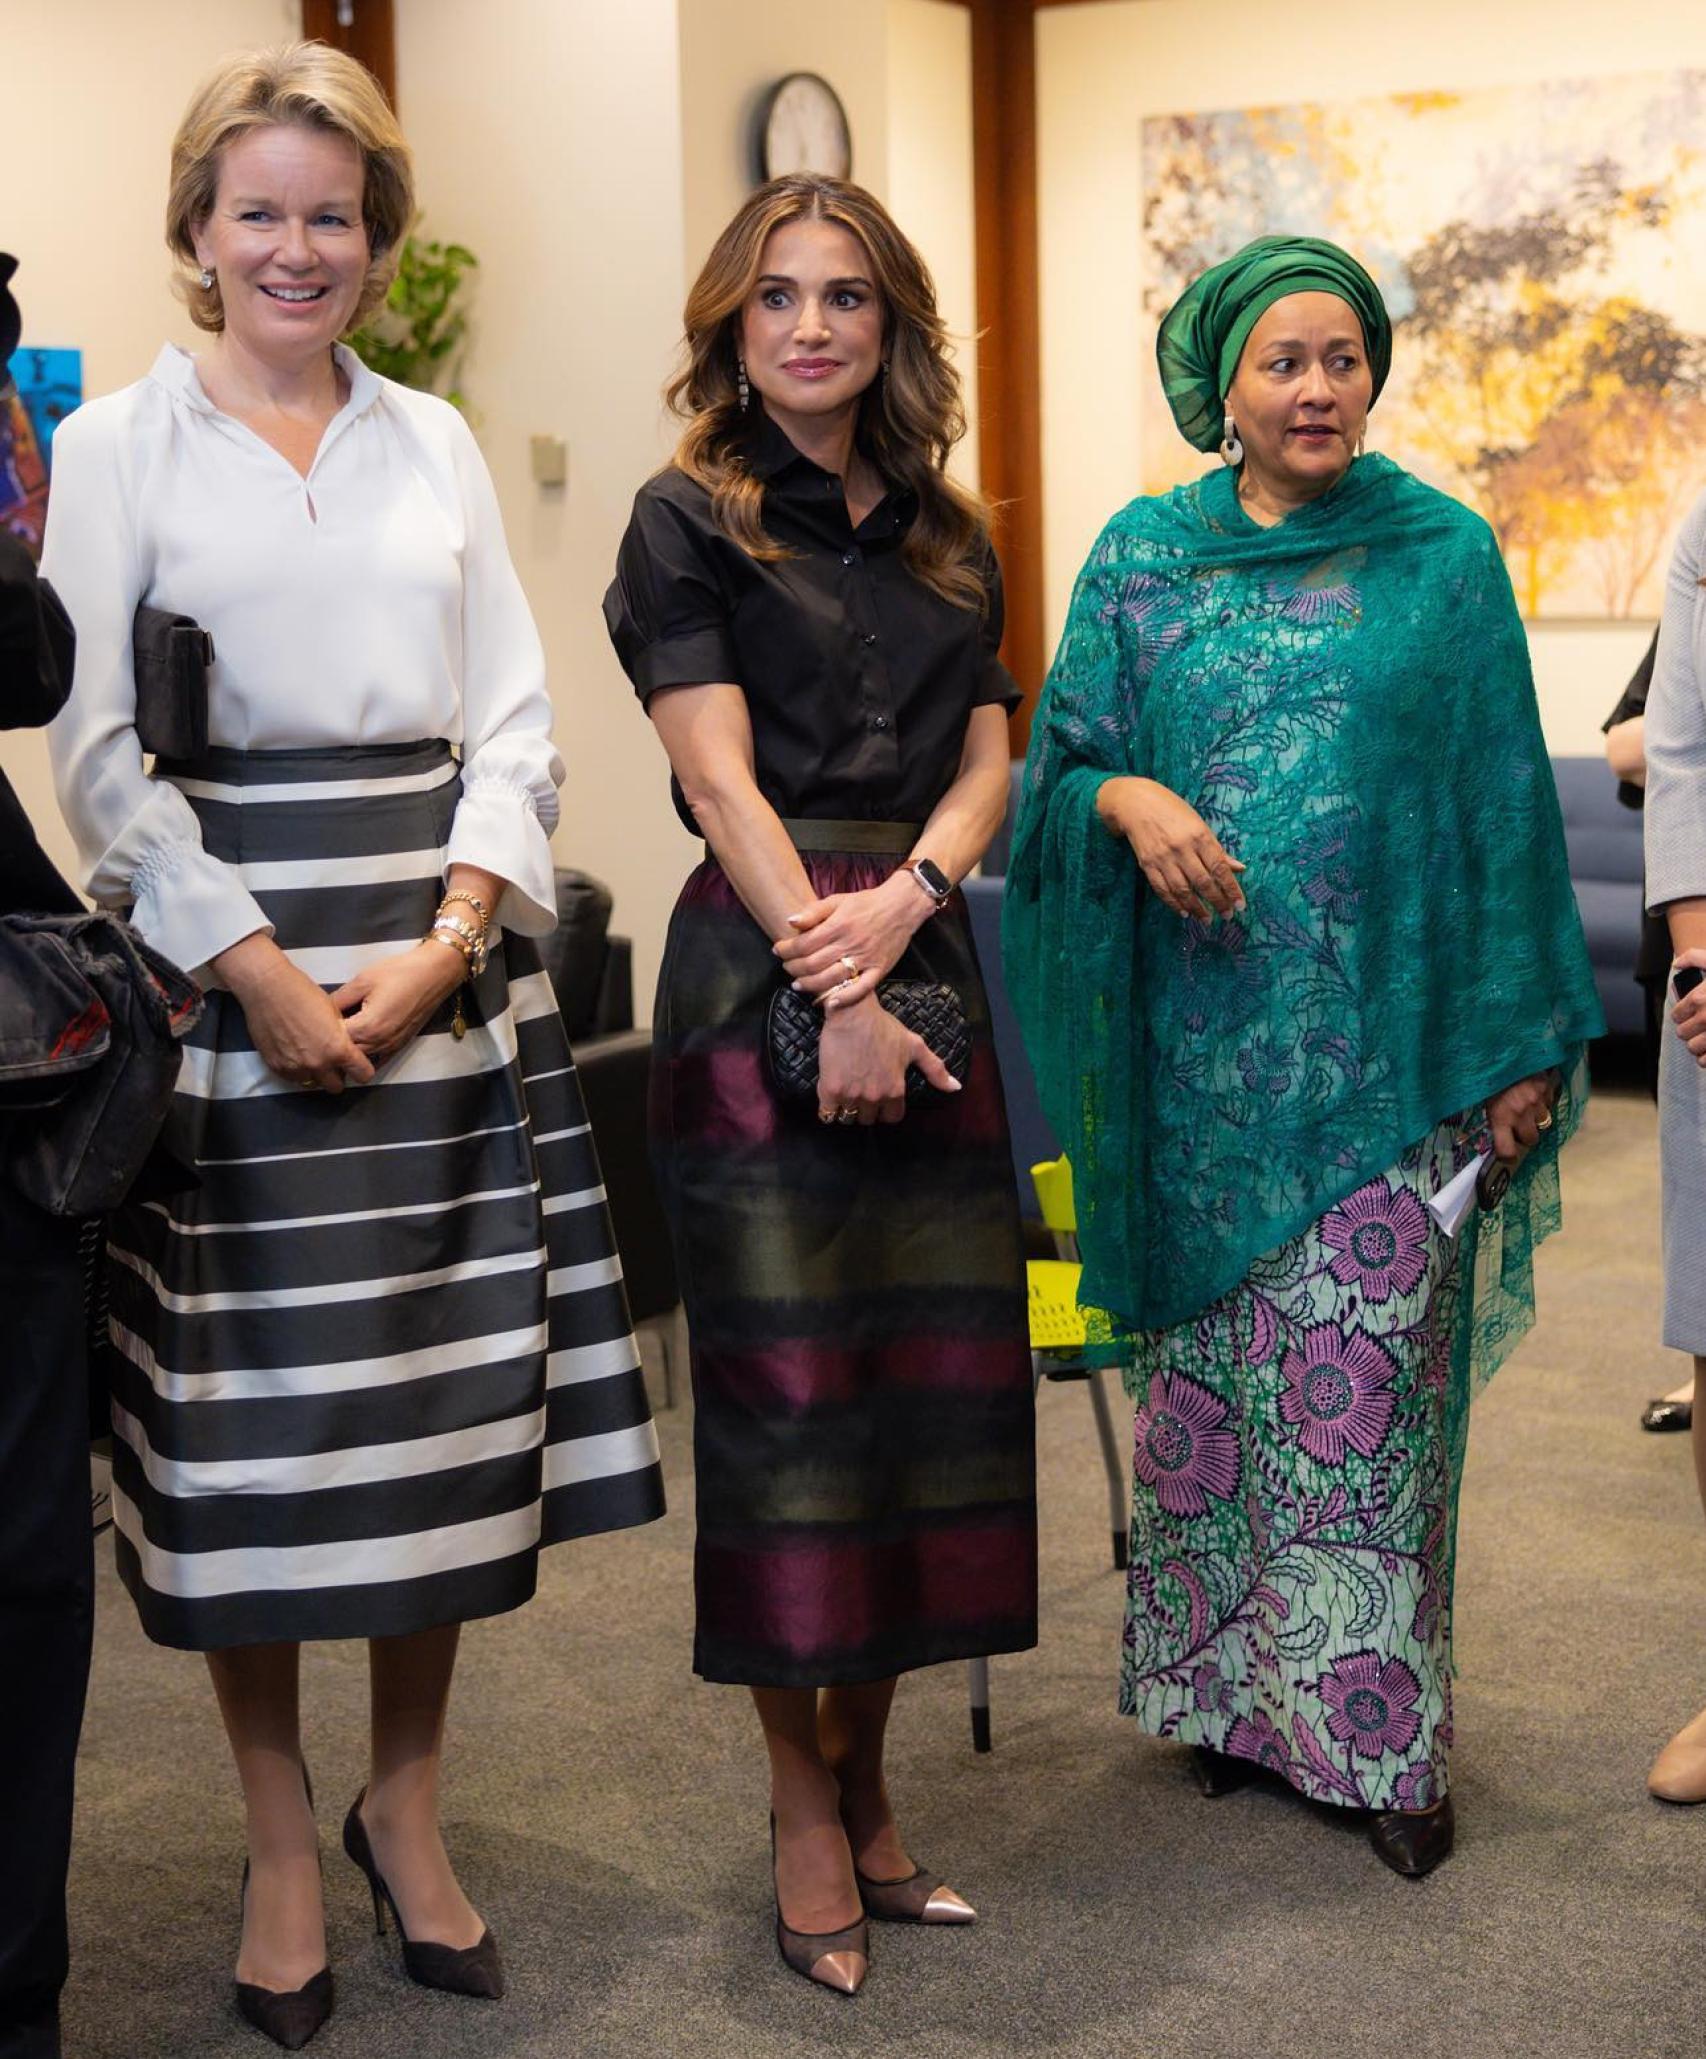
887	839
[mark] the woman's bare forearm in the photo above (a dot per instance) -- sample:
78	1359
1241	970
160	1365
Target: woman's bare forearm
708	734
964	821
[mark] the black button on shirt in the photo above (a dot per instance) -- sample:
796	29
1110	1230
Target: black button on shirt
859	680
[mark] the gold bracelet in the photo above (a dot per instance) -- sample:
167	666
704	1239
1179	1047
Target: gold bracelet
442	933
479	907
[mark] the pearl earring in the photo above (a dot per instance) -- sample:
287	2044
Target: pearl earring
206	278
1231	449
742	389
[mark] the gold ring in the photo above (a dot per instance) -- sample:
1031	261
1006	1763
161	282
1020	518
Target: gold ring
826	1115
845	1115
852	965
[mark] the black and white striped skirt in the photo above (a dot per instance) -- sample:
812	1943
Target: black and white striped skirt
381	1355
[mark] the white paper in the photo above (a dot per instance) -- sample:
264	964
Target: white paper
1455	1199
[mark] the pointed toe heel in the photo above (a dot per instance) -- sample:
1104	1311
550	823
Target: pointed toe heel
835	1959
918	1898
290	2019
475	1970
1413	1842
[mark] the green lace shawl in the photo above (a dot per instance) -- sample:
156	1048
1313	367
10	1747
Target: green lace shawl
1346	698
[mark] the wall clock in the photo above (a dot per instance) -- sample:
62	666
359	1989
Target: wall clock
802	127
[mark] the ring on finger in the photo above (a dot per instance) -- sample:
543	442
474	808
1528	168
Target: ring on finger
847	1115
852	965
826	1115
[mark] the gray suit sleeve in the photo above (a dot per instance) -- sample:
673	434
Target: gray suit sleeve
1676	729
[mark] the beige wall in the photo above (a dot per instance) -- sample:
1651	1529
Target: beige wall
95	90
932	191
732	51
548	142
1102	67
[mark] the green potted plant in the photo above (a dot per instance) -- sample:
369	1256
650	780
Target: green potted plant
416	337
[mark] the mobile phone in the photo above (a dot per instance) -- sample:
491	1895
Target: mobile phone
1686	978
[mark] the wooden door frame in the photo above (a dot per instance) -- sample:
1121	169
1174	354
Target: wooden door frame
1009	355
371	37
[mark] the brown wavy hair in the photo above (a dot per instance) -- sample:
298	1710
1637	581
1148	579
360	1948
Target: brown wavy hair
910	417
314	87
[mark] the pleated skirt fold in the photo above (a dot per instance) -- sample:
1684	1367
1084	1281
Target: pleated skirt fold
381	1354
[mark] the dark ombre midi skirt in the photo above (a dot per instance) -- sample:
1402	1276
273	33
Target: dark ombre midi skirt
381	1354
863	1433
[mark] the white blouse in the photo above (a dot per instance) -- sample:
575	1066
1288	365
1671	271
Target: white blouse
373	602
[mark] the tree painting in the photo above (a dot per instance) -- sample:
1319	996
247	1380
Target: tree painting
1540	249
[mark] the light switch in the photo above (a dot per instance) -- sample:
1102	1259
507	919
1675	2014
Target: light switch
550	458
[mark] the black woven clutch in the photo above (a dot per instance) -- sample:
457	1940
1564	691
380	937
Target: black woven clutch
926	1007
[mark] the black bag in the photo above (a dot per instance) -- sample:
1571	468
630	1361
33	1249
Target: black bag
926	1007
90	1025
172	655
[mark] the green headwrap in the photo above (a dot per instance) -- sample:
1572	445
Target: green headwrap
1204	332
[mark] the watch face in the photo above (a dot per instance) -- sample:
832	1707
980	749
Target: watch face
804	129
934	878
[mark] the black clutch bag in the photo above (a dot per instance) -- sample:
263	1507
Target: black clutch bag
927	1008
172	655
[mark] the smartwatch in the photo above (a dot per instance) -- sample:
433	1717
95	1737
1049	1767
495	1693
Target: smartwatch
932	879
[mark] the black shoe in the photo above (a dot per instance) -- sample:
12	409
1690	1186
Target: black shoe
1219	1773
289	2019
457	1969
1413	1844
1668	1415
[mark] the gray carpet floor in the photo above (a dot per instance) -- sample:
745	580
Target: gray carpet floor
607	1811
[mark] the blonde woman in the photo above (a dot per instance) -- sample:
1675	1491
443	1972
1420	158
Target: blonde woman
380	1355
810	612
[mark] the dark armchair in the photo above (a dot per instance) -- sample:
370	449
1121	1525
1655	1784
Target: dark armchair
592	974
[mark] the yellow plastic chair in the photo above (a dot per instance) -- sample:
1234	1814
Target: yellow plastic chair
1057	1348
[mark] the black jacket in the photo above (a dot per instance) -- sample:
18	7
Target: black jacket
35	678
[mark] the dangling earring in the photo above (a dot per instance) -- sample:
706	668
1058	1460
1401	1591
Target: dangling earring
1362	439
1231	450
206	279
742	389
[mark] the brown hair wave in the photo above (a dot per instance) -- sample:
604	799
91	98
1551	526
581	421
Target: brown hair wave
312	86
910	417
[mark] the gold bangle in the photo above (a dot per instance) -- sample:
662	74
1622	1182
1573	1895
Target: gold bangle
441	933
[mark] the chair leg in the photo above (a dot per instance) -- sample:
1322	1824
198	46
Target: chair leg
977	1687
1118	1511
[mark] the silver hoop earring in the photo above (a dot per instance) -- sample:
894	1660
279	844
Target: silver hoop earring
206	279
1231	450
742	389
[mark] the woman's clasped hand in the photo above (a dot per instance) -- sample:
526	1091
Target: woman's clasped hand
388	1004
1519	1114
297	1027
1183	860
1689	1014
863	1057
844	944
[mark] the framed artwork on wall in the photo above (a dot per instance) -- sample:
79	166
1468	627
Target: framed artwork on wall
1539	249
47	384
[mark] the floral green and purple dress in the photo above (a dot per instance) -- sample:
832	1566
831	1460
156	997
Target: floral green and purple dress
1259	1110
